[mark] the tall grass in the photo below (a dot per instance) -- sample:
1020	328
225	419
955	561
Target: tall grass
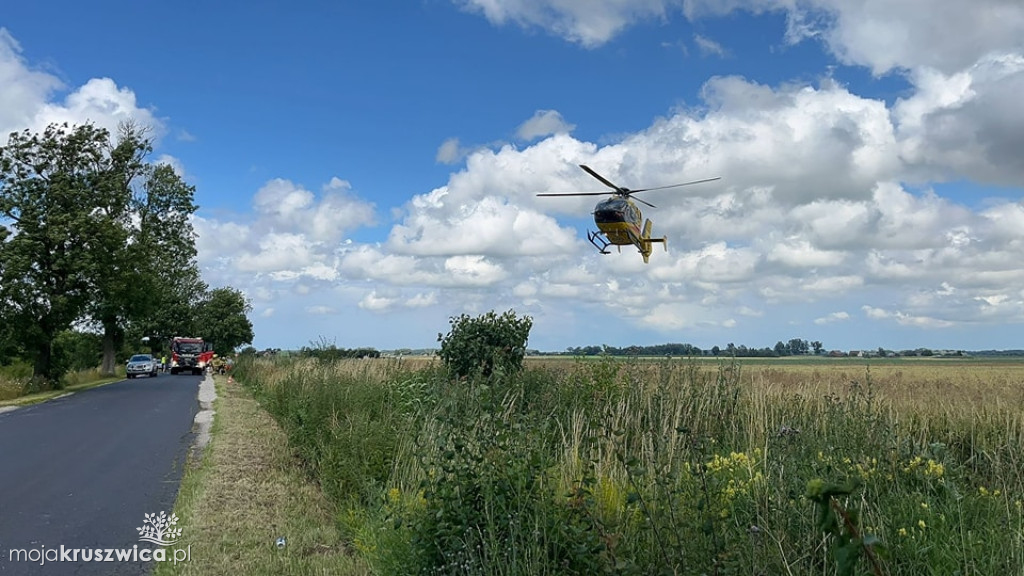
16	380
665	467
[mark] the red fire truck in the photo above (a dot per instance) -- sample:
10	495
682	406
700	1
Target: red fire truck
190	355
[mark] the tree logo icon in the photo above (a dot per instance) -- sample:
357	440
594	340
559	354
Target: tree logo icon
159	529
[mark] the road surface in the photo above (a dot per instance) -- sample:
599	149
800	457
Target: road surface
83	472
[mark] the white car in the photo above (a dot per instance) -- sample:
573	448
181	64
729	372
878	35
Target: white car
141	364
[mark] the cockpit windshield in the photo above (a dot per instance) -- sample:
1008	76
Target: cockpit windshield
614	210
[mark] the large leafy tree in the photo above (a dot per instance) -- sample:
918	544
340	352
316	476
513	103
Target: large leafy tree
148	239
92	234
47	236
222	319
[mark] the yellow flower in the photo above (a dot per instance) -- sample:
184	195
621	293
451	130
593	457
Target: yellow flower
902	532
934	469
921	524
394	496
924	505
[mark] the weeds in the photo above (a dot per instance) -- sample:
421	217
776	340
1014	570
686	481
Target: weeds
674	467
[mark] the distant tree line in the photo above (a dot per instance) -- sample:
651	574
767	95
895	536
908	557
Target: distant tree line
792	347
97	251
325	350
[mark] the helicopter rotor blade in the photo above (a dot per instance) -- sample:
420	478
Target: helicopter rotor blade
602	179
575	193
642	201
677	185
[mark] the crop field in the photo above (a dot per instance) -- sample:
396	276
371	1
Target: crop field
661	466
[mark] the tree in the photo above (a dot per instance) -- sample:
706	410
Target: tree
147	239
221	320
174	308
797	346
99	233
485	343
817	345
47	185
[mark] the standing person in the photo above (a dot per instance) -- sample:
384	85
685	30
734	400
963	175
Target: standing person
163	363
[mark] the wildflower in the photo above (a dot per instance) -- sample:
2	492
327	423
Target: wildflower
913	464
921	524
934	469
924	505
902	532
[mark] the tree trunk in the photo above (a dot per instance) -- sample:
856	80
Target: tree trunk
111	335
43	364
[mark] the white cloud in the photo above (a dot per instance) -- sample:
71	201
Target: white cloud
906	319
422	300
882	35
543	123
966	123
376	303
709	47
26	98
450	151
587	22
173	162
833	317
292	234
24	90
890	34
799	253
490	226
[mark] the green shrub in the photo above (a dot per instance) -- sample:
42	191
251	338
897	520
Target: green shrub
485	344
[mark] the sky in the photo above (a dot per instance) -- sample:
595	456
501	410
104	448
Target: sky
366	170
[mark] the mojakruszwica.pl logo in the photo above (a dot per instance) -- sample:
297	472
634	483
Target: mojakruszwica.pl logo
160	529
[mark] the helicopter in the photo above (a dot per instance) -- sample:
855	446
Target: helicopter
618	218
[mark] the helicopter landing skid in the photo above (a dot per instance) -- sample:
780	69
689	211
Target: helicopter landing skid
598	241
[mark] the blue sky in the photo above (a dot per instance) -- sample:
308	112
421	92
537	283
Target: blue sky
365	170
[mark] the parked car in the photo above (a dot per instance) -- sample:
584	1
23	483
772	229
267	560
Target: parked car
140	364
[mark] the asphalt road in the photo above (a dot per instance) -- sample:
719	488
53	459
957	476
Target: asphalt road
83	471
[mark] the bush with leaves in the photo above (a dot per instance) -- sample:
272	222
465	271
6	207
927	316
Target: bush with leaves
486	343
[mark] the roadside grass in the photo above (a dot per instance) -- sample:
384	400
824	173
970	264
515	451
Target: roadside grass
247	490
643	467
13	390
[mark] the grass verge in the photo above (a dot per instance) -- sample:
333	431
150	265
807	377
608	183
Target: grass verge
247	490
39	397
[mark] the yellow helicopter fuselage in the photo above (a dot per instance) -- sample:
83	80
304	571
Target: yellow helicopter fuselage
619	221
